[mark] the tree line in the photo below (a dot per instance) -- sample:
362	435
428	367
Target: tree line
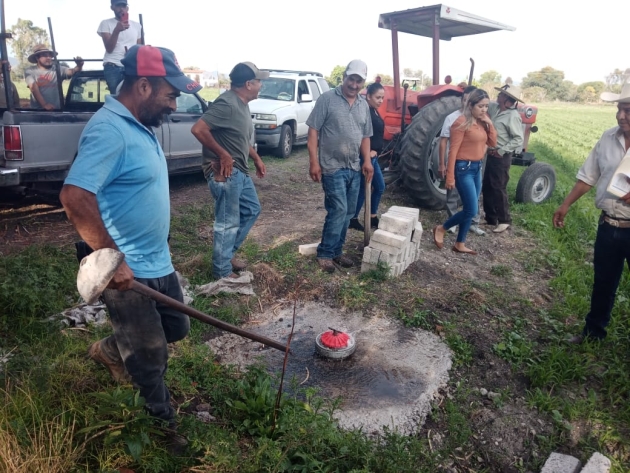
546	85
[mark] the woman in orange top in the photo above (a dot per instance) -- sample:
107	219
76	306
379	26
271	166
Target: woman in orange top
471	134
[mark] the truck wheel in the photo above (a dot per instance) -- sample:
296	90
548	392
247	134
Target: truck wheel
536	184
286	142
419	154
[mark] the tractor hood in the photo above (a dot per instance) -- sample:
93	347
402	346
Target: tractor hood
267	106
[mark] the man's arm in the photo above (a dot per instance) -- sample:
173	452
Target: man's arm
110	39
367	168
39	97
82	210
77	68
315	170
442	154
201	130
579	189
258	162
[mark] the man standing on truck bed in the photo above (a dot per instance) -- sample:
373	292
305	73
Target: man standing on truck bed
225	131
117	196
41	79
119	35
339	133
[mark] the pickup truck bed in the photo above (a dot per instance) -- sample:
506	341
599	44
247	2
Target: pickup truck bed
38	147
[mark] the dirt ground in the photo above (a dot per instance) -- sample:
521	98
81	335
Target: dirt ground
488	287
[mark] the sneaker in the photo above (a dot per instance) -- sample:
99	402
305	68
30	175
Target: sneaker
238	264
326	265
500	228
115	365
344	261
355	225
374	222
476	230
454	229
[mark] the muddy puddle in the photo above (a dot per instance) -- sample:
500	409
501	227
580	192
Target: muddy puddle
389	380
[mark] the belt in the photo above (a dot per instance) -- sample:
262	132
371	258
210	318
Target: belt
616	223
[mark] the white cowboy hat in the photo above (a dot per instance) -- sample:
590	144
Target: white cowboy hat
511	91
623	97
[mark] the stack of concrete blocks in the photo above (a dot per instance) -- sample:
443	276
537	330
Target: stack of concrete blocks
396	242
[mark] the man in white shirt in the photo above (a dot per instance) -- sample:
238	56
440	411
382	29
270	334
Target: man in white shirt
612	245
452	197
119	34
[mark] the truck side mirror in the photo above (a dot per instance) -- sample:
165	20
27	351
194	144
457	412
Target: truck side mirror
306	98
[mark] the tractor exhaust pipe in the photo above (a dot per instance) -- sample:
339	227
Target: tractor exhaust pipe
404	107
472	69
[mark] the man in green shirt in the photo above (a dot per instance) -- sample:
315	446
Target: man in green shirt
509	126
225	130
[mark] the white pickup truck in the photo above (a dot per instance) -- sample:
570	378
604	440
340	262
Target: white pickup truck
284	103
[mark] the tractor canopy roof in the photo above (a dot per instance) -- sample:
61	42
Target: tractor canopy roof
452	22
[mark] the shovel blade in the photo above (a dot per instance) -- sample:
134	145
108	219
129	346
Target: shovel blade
95	272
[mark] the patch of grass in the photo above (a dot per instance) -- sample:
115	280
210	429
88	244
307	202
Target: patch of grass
462	349
355	294
501	270
424	319
514	348
380	274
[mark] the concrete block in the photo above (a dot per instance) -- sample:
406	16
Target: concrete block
559	463
399	225
406	210
401	214
598	463
391	250
371	255
395	270
390	239
385	257
367	267
417	233
308	250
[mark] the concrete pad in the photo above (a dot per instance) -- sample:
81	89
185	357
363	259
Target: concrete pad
598	463
308	250
390	380
559	463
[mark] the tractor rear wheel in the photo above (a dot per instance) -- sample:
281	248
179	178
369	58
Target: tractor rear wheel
419	153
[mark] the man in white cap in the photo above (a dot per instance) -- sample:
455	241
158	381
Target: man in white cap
339	134
509	126
41	79
612	245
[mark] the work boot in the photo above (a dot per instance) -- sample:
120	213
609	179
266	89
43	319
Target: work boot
476	230
374	222
344	261
175	442
238	264
500	228
326	265
113	363
355	225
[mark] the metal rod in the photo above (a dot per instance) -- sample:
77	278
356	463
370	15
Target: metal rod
5	57
396	67
141	30
436	48
84	60
472	70
195	314
404	107
368	212
57	66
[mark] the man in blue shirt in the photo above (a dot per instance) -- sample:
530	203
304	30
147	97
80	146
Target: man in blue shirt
117	196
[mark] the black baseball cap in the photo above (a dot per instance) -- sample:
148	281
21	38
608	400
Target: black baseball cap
245	71
120	2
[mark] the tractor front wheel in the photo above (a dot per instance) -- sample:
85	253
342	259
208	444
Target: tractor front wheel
420	153
536	184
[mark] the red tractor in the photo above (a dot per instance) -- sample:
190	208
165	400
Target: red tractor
413	120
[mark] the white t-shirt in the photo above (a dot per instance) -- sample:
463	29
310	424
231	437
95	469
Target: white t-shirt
448	122
126	38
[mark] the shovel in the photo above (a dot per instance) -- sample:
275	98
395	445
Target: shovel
98	268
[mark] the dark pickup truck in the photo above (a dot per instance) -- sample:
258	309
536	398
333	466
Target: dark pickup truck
38	147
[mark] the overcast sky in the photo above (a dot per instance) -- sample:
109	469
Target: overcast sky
586	43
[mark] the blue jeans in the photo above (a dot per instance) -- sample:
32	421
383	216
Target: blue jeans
612	250
468	184
236	208
341	190
142	330
114	75
378	187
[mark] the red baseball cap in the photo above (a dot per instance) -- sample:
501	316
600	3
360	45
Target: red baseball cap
149	61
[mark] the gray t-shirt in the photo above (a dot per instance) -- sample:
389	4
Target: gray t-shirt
341	129
46	80
230	122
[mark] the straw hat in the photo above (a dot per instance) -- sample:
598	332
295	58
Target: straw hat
623	97
40	48
511	91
